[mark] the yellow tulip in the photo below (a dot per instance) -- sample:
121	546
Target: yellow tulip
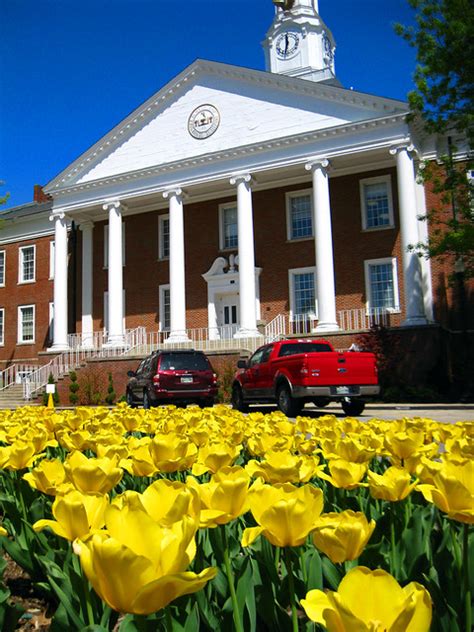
172	452
20	455
214	456
286	514
92	475
3	531
342	536
370	601
47	477
452	490
344	474
76	515
348	449
224	498
393	485
168	501
138	566
283	467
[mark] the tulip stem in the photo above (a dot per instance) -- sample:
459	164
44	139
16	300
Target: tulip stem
291	589
230	580
277	558
393	551
87	598
467	585
169	621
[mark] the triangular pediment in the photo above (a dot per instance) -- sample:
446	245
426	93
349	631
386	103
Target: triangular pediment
248	106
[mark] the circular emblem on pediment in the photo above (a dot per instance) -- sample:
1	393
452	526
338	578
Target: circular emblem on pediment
204	121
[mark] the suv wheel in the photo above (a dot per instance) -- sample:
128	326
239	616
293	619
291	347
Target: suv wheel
237	399
287	403
146	400
352	407
130	400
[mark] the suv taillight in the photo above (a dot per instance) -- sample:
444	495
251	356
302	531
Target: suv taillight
214	379
156	380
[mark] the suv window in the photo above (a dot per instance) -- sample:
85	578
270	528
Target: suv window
303	347
184	361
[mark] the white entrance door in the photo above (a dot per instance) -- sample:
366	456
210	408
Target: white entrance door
228	315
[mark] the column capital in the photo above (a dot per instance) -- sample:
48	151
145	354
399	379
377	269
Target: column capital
322	163
113	204
237	178
57	215
407	146
86	225
174	192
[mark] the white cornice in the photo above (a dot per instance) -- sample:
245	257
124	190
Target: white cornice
241	152
152	106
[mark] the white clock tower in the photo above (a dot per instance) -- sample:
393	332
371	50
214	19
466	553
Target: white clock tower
299	44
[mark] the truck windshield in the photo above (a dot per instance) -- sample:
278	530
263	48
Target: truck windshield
303	347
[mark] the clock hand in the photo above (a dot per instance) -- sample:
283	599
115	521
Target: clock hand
287	43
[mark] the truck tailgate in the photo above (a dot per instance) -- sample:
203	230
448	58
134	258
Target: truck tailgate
340	369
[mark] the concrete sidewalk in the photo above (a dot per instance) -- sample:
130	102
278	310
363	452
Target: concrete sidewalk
448	413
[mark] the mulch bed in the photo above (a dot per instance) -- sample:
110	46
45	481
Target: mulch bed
36	616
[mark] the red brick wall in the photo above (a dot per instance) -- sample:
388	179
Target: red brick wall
13	294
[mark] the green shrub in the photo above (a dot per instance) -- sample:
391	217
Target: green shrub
73	388
111	396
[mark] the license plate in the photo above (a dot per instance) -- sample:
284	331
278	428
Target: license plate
187	379
343	390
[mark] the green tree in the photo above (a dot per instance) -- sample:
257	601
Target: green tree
444	99
110	397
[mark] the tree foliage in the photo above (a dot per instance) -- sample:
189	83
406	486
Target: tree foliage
444	98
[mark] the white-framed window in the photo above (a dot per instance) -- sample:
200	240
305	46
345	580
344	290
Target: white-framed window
26	324
376	203
302	291
299	215
3	260
51	259
228	229
163	236
27	264
106	245
2	326
381	284
165	307
106	310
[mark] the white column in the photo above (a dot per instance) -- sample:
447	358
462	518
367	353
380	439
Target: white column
116	337
60	342
413	286
87	229
325	286
247	290
177	267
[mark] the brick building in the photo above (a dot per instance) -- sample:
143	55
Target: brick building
232	205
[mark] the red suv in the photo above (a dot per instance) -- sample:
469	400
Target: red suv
172	377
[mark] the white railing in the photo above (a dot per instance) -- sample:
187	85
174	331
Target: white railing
362	319
301	324
75	356
276	328
15	374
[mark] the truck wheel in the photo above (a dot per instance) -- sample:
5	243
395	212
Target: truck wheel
130	400
321	402
237	399
287	403
353	407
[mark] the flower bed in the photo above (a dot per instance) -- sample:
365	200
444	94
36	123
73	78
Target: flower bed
190	519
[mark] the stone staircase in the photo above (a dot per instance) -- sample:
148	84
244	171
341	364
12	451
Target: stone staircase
12	397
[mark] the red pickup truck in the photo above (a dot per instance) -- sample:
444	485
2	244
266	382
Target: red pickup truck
293	372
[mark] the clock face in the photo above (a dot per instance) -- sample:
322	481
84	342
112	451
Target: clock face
287	44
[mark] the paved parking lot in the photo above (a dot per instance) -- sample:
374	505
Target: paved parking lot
448	413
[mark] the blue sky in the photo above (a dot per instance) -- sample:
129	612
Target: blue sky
70	70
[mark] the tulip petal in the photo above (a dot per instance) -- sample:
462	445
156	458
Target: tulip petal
319	609
159	593
250	535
